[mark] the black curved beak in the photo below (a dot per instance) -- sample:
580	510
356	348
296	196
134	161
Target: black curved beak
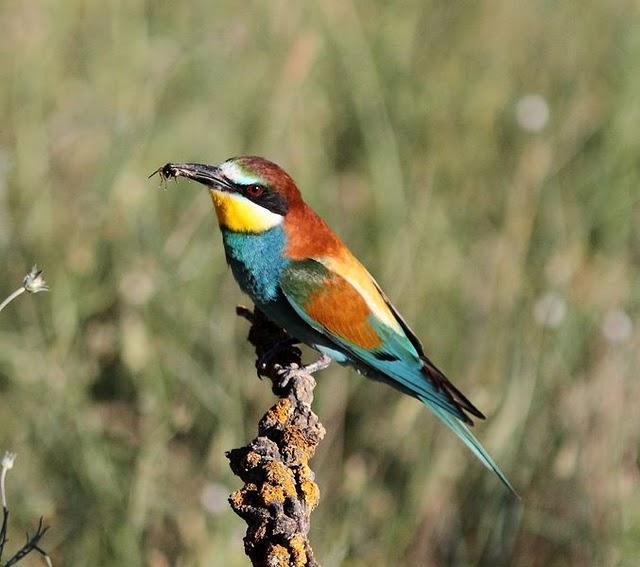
209	175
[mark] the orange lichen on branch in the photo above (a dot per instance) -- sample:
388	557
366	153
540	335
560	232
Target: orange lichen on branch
278	556
298	550
253	459
310	490
279	413
297	443
280	490
279	474
271	493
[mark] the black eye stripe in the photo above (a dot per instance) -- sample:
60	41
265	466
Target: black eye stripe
267	198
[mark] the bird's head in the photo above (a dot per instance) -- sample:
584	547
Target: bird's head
249	193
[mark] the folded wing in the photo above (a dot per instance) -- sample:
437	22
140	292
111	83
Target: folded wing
355	315
370	331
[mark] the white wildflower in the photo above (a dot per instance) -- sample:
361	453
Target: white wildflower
34	282
8	459
213	498
617	326
532	112
550	310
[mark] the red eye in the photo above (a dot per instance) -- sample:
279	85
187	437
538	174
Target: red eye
255	190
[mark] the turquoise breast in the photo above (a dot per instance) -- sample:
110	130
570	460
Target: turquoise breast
257	261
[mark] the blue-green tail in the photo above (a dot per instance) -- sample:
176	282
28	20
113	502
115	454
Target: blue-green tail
462	431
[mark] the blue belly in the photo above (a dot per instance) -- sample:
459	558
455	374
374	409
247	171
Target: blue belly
257	261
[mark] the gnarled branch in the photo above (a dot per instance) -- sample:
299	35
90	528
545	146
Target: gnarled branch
280	492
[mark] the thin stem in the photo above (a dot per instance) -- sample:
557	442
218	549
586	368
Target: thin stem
9	299
7	463
2	479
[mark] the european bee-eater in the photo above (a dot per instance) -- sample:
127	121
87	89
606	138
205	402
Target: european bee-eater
305	279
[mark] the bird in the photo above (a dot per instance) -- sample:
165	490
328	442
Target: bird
305	279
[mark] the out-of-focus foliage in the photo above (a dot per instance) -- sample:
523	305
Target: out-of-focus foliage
480	157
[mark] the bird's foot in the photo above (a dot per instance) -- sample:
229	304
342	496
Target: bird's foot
284	377
266	357
323	362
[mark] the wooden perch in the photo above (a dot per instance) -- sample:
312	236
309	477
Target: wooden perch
280	492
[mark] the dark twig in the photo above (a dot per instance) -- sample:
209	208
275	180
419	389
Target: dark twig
3	529
33	542
280	492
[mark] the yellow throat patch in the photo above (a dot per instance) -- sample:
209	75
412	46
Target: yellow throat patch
239	214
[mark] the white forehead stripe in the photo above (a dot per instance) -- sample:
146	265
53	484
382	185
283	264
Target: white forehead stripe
233	173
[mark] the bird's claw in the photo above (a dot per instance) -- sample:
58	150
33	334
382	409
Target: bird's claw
284	375
323	362
267	356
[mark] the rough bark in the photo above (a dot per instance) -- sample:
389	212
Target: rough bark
280	492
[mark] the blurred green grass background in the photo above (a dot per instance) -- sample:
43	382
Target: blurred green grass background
480	158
